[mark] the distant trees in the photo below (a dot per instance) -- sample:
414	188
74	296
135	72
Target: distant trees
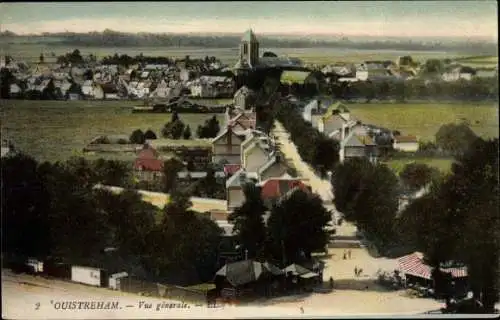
418	89
137	137
173	129
73	58
186	135
6	79
455	138
210	129
149	135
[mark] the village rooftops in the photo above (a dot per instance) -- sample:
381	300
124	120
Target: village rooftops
355	140
246	271
240	177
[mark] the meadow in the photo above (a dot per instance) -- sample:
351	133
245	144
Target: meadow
31	53
397	165
57	130
424	119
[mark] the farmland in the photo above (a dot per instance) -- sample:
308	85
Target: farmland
31	53
56	130
424	119
397	165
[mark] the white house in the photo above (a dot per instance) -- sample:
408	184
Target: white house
227	147
405	143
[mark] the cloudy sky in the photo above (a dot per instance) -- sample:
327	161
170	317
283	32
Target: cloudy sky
374	18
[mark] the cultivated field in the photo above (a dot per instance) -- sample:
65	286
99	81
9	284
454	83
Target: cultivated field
480	62
56	130
424	119
31	52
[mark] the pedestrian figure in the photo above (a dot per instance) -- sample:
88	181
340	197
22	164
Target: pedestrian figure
356	271
331	282
301	310
345	255
360	271
349	253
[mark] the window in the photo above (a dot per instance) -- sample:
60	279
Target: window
245	48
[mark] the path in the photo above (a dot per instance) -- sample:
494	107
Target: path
160	199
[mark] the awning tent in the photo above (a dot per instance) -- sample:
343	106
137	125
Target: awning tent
413	264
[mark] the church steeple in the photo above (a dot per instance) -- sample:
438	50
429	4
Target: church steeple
249	49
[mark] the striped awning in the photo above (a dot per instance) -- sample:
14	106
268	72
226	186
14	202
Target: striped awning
414	265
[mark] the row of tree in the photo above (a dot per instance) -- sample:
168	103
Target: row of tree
279	239
53	209
314	148
417	89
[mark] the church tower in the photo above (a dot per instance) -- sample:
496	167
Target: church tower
249	49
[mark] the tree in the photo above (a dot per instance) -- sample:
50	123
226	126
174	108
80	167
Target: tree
187	133
137	137
459	220
210	129
170	169
173	129
455	138
249	222
367	195
288	224
6	79
417	175
434	66
149	135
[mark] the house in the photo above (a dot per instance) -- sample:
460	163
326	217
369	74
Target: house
337	116
15	91
186	75
247	277
234	187
255	155
274	167
458	73
226	147
106	91
273	189
358	146
253	136
148	166
88	88
245	98
243	122
405	143
212	87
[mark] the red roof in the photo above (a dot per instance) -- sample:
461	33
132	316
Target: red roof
276	188
231	168
414	265
148	164
147	153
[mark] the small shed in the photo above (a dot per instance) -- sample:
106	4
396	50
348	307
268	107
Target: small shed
115	279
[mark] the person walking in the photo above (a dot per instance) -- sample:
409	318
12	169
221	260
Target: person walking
356	271
349	253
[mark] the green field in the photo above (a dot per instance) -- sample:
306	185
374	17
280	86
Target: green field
484	62
56	130
31	53
397	165
424	119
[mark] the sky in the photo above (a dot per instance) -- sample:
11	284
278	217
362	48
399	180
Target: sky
473	19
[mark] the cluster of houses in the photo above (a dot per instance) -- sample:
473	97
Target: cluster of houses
394	71
111	82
